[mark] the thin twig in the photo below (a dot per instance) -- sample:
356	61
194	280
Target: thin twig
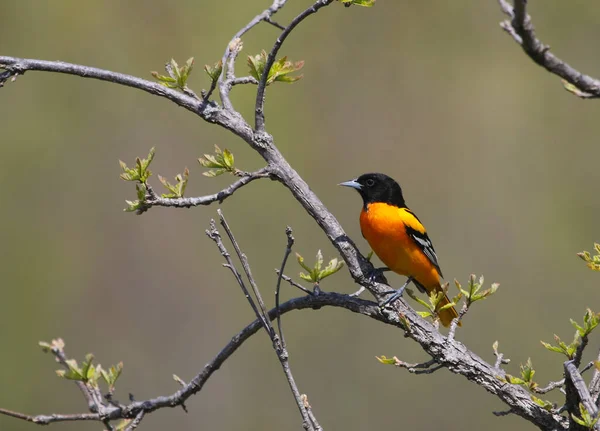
48	419
499	356
278	346
93	401
136	422
244	80
551	386
456	321
311	415
262	83
263	16
246	265
504	413
522	31
153	200
419	368
296	285
214	234
235	46
286	254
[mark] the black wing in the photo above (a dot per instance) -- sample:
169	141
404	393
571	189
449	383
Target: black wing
422	240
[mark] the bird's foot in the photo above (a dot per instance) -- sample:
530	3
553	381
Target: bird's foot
396	293
376	273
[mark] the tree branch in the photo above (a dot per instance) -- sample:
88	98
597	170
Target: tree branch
153	200
577	392
261	313
48	419
264	16
522	31
260	93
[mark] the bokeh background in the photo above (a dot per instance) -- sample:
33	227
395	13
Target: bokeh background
496	158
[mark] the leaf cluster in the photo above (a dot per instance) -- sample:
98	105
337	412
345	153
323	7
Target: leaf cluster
317	272
176	190
85	372
590	322
214	71
280	71
140	171
593	262
526	380
586	420
221	162
473	291
433	305
177	76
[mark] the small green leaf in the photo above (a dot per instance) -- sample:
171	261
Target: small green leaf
221	160
317	272
386	361
364	3
281	69
547	405
214	71
514	380
592	262
140	172
177	76
586	419
112	375
178	189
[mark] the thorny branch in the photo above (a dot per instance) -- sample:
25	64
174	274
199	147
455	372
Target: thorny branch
520	27
447	351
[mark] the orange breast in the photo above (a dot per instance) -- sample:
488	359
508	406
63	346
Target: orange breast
383	226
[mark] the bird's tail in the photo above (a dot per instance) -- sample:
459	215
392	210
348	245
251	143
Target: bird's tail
448	314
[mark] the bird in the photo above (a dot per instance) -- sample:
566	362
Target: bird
398	237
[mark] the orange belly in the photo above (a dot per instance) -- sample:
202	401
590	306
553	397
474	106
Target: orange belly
383	226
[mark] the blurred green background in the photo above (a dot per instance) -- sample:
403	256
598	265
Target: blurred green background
495	157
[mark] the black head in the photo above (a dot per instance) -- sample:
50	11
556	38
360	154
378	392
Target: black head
377	188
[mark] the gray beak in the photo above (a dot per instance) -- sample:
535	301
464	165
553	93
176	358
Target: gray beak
353	183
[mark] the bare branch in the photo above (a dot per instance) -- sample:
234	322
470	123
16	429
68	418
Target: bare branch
278	345
153	200
246	265
263	16
419	368
214	234
499	356
293	283
260	93
457	320
244	80
48	419
207	110
521	29
288	250
551	386
312	417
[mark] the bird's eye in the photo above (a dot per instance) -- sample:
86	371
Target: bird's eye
370	182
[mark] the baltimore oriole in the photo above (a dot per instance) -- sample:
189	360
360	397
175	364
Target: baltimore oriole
398	237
